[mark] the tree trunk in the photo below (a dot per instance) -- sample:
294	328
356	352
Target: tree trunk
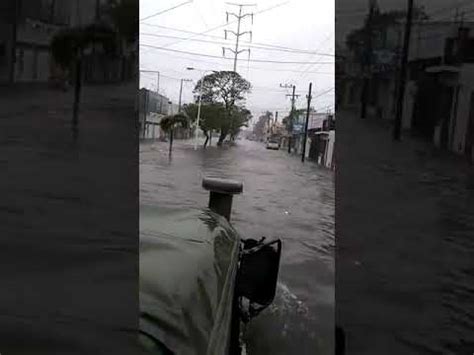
171	140
77	96
207	139
221	138
210	138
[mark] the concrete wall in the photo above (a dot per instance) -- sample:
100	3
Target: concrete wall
466	81
5	52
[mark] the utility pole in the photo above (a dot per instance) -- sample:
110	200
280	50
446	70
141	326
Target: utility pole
237	34
181	92
403	73
97	11
16	14
367	60
293	97
305	137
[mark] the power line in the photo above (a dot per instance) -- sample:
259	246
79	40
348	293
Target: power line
166	10
323	93
254	68
294	51
225	24
214	56
320	57
252	44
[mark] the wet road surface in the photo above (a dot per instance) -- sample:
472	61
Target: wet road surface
405	227
282	198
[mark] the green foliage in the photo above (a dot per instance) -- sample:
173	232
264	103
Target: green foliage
239	118
226	87
170	122
68	44
124	15
212	115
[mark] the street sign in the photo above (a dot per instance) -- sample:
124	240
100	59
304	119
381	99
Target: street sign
297	128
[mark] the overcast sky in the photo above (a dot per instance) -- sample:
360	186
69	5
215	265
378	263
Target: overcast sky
297	24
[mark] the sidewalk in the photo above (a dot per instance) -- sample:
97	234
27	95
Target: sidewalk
67	236
404	228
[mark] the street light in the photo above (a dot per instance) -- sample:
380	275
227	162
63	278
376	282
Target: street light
181	92
199	104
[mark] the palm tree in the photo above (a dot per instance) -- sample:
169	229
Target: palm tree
69	46
170	122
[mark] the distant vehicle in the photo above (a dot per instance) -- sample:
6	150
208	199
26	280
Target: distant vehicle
273	144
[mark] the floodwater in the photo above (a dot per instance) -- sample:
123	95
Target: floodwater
282	198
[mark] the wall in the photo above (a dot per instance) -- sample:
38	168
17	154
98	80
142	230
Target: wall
466	81
35	30
5	52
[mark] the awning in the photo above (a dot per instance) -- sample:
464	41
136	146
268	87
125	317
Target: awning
443	69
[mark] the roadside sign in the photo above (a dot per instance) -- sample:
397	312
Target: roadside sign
297	128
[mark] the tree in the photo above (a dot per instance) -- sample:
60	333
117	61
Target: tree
240	118
169	123
227	88
123	14
211	117
69	46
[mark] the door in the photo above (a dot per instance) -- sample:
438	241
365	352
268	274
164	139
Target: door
424	113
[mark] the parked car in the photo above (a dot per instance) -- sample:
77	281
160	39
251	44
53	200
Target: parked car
273	144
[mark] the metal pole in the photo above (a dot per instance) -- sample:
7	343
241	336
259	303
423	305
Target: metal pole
306	123
221	193
180	93
403	74
291	118
158	82
238	37
197	118
16	10
367	61
145	111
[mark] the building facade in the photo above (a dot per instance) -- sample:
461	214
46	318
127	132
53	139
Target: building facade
26	34
152	108
438	103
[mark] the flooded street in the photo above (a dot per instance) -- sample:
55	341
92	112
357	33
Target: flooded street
282	198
